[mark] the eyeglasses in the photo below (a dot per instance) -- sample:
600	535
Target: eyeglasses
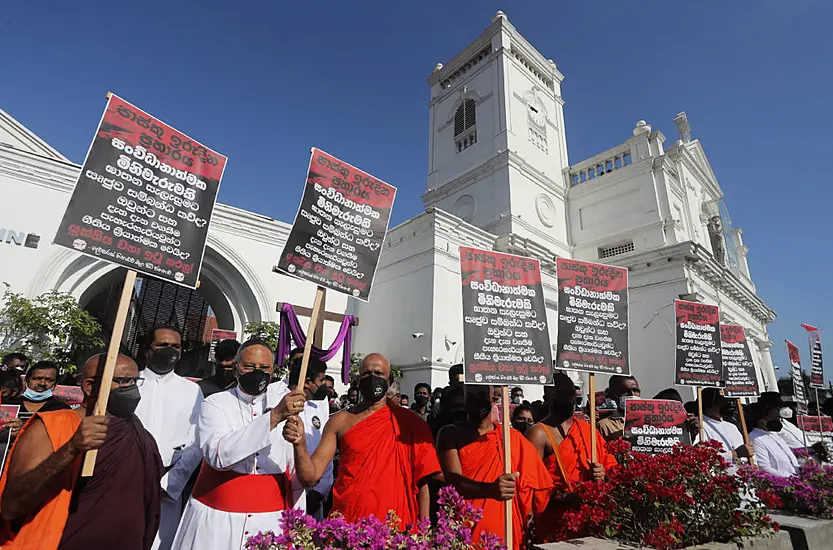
524	421
128	380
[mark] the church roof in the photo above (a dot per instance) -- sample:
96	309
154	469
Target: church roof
15	135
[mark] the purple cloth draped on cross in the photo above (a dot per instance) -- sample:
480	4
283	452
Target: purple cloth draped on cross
291	330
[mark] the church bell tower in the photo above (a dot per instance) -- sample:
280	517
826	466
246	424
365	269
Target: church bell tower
496	143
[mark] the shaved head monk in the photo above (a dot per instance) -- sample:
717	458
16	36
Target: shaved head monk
563	441
471	454
387	453
47	502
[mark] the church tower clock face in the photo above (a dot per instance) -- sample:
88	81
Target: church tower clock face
537	112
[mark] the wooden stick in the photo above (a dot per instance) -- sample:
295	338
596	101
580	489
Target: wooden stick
700	412
745	432
818	412
110	365
313	322
507	466
592	384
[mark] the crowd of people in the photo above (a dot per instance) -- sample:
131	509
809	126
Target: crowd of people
190	465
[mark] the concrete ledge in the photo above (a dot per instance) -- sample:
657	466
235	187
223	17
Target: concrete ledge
780	541
806	533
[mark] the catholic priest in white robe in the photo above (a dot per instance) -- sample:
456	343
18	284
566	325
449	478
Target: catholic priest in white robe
169	410
772	454
716	429
314	416
245	478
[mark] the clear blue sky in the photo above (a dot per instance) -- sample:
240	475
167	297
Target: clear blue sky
263	81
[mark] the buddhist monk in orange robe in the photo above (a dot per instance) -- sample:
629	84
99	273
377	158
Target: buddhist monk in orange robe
563	441
387	454
43	503
471	454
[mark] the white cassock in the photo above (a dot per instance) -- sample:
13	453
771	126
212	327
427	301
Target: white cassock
169	410
245	476
725	433
314	416
791	434
772	454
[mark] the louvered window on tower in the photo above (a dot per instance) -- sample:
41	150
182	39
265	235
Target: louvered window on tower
615	250
465	130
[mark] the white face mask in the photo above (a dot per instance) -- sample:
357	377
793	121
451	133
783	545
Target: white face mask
786	413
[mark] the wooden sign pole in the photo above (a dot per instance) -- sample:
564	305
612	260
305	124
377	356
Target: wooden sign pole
745	432
110	365
592	390
700	412
507	466
320	292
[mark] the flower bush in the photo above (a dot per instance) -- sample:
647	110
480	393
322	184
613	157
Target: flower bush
456	519
665	501
809	492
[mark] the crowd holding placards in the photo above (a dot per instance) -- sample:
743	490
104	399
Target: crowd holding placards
213	463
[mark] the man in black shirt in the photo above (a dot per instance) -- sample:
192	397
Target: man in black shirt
37	397
223	377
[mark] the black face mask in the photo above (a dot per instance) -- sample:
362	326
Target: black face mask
774	425
562	407
163	360
223	377
373	388
420	401
478	408
520	426
123	401
323	392
254	383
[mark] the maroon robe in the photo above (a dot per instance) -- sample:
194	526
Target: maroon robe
118	507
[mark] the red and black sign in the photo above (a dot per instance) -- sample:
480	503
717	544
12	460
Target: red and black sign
817	428
739	372
340	227
505	333
71	395
799	393
654	426
144	197
592	317
816	363
698	345
217	336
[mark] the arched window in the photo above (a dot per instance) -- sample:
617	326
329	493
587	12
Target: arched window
464	118
465	131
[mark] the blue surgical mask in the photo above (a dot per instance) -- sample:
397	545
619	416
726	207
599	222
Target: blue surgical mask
37	396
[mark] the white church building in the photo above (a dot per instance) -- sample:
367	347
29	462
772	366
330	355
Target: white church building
498	178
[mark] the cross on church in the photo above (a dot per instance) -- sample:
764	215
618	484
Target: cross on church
318	332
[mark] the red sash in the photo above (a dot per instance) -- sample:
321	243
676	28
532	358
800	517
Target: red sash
240	493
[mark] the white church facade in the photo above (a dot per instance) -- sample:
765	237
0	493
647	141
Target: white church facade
498	178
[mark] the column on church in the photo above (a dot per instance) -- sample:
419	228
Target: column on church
770	381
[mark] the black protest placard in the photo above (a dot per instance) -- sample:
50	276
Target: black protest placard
654	426
340	227
144	197
592	317
799	393
505	333
817	428
738	369
816	362
699	360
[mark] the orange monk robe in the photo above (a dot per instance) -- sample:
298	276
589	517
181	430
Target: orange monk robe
482	461
43	530
575	452
383	458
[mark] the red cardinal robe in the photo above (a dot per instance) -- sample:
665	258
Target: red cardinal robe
482	460
383	458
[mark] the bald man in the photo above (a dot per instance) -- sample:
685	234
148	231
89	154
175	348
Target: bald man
245	478
387	453
120	502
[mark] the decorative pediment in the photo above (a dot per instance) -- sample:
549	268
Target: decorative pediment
14	134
